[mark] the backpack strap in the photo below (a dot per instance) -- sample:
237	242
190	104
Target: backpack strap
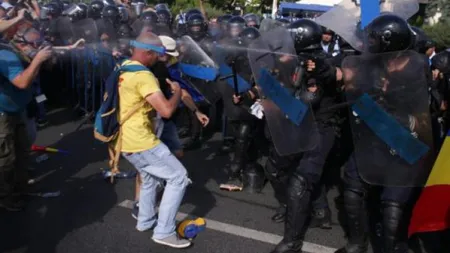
115	150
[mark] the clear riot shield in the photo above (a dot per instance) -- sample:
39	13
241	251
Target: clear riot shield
344	18
234	67
198	67
64	29
106	27
391	123
138	8
140	26
235	77
290	121
86	29
269	24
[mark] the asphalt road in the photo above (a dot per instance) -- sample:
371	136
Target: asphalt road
93	216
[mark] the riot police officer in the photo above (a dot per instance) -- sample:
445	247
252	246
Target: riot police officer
316	86
223	23
245	172
234	27
388	33
197	29
182	25
164	17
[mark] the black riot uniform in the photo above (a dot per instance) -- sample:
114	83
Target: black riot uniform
319	89
388	33
245	172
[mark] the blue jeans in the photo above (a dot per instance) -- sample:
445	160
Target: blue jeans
154	165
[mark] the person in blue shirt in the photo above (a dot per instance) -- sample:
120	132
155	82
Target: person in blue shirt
20	62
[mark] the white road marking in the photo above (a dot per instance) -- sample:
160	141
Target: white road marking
246	232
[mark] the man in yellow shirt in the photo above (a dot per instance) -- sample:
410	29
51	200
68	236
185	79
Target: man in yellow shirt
142	148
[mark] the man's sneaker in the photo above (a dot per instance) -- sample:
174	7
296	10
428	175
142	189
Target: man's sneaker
135	210
12	206
173	241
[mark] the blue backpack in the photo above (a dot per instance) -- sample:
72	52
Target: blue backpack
107	124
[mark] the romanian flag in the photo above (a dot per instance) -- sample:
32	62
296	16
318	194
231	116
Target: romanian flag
432	211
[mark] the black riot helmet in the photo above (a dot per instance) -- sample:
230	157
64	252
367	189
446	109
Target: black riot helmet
95	9
441	61
307	35
111	14
109	3
123	14
124	31
249	34
197	27
138	6
52	10
328	31
223	21
421	41
388	33
60	4
252	20
149	17
191	12
164	16
235	26
162	6
84	9
77	13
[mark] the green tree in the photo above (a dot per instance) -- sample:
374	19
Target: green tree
435	6
440	33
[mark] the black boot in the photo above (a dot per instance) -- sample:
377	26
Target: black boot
299	197
321	218
357	223
392	221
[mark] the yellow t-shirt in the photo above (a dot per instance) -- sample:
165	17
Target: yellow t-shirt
137	131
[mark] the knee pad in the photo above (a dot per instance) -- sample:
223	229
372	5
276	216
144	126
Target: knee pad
392	214
354	201
298	186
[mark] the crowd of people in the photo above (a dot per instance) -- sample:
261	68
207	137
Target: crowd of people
285	88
